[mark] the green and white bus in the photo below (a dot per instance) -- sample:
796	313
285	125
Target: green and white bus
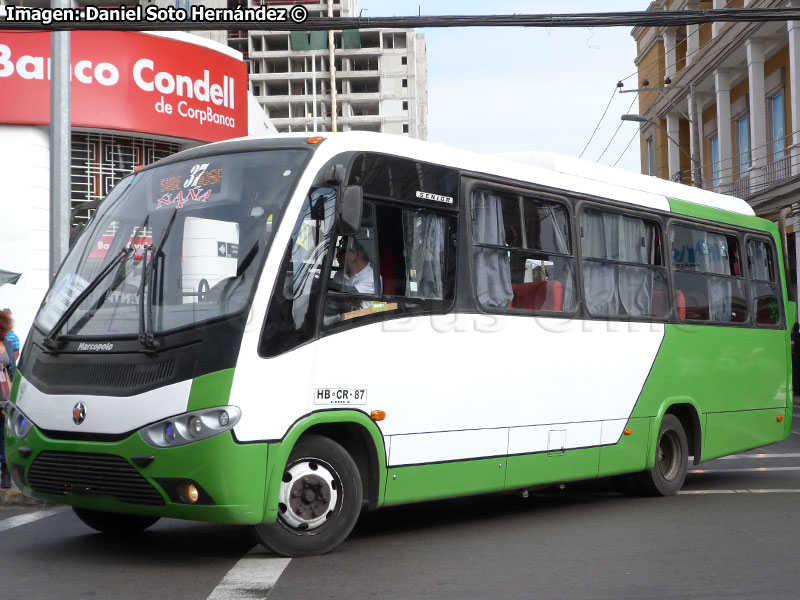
283	331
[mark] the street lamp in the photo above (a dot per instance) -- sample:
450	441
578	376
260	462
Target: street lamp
643	119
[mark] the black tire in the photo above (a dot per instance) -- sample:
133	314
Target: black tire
319	502
117	523
672	456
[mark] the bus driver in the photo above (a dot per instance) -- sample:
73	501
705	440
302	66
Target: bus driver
355	270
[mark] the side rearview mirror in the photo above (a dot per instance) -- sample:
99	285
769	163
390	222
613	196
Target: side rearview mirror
348	210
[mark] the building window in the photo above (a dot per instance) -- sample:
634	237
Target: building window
405	104
743	145
777	131
404	60
713	153
405	127
650	156
405	83
99	161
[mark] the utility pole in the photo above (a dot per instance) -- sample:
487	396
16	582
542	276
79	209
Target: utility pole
332	60
697	118
60	144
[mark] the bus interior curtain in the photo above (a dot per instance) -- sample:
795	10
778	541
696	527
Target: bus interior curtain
759	261
599	238
492	266
716	260
616	288
635	290
425	254
549	225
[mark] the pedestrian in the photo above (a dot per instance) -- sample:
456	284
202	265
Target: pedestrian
8	366
13	337
795	337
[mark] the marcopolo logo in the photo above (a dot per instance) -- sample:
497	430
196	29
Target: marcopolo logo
105	347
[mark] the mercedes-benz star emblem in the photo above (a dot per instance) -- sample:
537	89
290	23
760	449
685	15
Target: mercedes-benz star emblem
79	413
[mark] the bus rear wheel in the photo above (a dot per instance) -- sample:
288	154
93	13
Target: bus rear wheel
672	456
117	523
319	500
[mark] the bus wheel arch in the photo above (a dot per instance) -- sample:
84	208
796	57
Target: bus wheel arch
689	417
359	444
320	499
674	442
354	431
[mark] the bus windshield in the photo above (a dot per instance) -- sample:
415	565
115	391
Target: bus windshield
173	246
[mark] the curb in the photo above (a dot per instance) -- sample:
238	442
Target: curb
15	498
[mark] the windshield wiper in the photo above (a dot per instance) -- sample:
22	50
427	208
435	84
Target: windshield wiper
50	340
146	324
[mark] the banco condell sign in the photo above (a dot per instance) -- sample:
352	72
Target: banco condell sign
128	82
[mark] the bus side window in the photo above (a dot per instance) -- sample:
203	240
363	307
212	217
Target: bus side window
522	252
290	319
763	286
707	271
623	269
397	263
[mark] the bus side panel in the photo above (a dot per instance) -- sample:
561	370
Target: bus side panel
723	370
444	480
739	431
630	452
551	467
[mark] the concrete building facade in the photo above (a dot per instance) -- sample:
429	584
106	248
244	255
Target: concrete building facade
379	77
722	107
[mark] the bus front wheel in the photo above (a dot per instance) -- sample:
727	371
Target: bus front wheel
672	456
116	523
319	500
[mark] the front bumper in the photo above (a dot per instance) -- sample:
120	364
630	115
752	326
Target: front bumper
120	477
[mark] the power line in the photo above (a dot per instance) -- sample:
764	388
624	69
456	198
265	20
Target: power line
618	128
248	21
635	135
610	100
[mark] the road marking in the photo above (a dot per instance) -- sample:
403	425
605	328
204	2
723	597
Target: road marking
775	491
12	522
744	470
787	455
252	578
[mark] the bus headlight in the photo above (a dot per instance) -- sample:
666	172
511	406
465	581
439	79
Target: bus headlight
17	424
191	427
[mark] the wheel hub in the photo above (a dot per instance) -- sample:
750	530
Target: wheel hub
308	495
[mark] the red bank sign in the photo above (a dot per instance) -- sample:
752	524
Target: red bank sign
128	82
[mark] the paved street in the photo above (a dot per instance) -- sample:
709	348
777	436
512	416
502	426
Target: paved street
732	533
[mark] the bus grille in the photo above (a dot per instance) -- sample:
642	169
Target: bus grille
104	375
92	475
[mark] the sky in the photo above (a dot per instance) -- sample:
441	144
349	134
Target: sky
501	89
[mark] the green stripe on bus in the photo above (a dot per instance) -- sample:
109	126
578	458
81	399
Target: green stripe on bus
211	390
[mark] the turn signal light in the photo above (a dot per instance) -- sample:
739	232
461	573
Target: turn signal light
377	415
627	431
315	140
780	418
